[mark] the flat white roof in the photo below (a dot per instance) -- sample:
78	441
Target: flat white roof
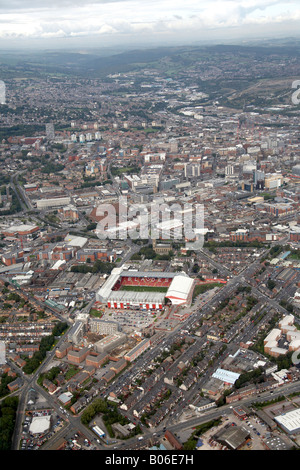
226	375
20	228
74	240
39	424
295	343
290	420
58	264
294	335
273	335
287	320
277	350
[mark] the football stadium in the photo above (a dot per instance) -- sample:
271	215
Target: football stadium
145	290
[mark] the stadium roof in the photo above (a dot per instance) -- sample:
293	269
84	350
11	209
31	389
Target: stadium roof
139	297
147	274
180	289
105	290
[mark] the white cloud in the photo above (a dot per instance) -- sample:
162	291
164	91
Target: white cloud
71	18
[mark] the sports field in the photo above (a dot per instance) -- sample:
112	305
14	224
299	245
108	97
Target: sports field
144	288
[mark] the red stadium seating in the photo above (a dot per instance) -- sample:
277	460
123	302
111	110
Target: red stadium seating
142	281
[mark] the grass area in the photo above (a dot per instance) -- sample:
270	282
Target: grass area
96	313
110	415
116	171
144	288
71	372
294	255
200	289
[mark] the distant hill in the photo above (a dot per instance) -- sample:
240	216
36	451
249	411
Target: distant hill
170	60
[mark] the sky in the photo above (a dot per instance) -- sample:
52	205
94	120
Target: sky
107	23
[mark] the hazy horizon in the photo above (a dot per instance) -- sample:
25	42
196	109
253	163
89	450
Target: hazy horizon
34	24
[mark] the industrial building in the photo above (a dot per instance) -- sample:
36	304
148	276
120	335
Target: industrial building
226	376
289	421
233	437
20	230
275	443
54	202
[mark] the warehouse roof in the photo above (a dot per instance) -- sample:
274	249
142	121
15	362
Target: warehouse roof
234	436
20	228
226	375
40	424
290	421
77	241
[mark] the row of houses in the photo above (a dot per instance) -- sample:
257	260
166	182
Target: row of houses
164	409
